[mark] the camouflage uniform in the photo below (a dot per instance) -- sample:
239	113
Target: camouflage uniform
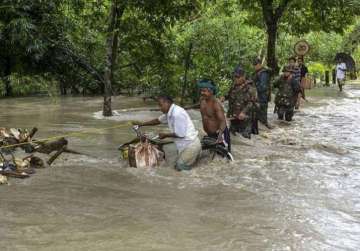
284	99
242	99
262	82
297	77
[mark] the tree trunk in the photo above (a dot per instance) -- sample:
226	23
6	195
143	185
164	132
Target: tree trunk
6	79
271	47
112	44
327	78
187	66
333	73
272	17
63	90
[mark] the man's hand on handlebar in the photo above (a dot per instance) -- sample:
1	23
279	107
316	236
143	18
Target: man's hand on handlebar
163	135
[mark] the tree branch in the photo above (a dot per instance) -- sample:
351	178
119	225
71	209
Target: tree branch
281	8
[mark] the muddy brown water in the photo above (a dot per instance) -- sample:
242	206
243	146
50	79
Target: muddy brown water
294	188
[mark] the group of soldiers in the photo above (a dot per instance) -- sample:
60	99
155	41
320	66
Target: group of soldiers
249	97
248	100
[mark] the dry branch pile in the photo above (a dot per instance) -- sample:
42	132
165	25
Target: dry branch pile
13	139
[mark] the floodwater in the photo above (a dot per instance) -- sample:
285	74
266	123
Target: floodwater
294	188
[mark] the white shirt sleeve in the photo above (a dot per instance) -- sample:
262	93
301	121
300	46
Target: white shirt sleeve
163	119
180	125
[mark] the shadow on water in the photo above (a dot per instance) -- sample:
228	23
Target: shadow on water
294	188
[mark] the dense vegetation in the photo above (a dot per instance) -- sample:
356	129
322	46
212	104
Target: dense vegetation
107	47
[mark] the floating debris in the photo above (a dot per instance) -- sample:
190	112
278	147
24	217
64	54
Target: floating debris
13	138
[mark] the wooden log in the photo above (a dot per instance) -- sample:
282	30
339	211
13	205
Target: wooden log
14	174
36	162
132	158
51	146
67	150
8	141
56	155
12	140
32	133
29	148
2	156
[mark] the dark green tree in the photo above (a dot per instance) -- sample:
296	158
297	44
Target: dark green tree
299	17
157	14
34	39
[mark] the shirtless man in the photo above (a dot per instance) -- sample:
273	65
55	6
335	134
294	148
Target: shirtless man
212	113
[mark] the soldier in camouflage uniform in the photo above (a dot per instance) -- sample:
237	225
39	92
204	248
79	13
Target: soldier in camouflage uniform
242	104
297	76
263	86
288	88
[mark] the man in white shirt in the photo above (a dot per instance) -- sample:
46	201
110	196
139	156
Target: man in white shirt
182	131
340	73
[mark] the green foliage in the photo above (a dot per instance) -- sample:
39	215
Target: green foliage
64	42
351	40
302	16
324	46
298	17
220	42
30	85
316	68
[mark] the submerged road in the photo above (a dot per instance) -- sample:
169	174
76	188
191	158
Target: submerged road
295	187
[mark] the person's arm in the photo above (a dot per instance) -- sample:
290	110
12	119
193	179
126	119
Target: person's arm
244	112
147	123
220	115
342	67
194	106
167	135
251	103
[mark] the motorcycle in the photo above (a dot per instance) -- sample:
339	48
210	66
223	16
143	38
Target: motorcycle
148	151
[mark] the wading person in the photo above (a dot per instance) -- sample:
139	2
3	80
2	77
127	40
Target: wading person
262	83
303	73
288	88
340	73
182	130
296	72
212	113
242	104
